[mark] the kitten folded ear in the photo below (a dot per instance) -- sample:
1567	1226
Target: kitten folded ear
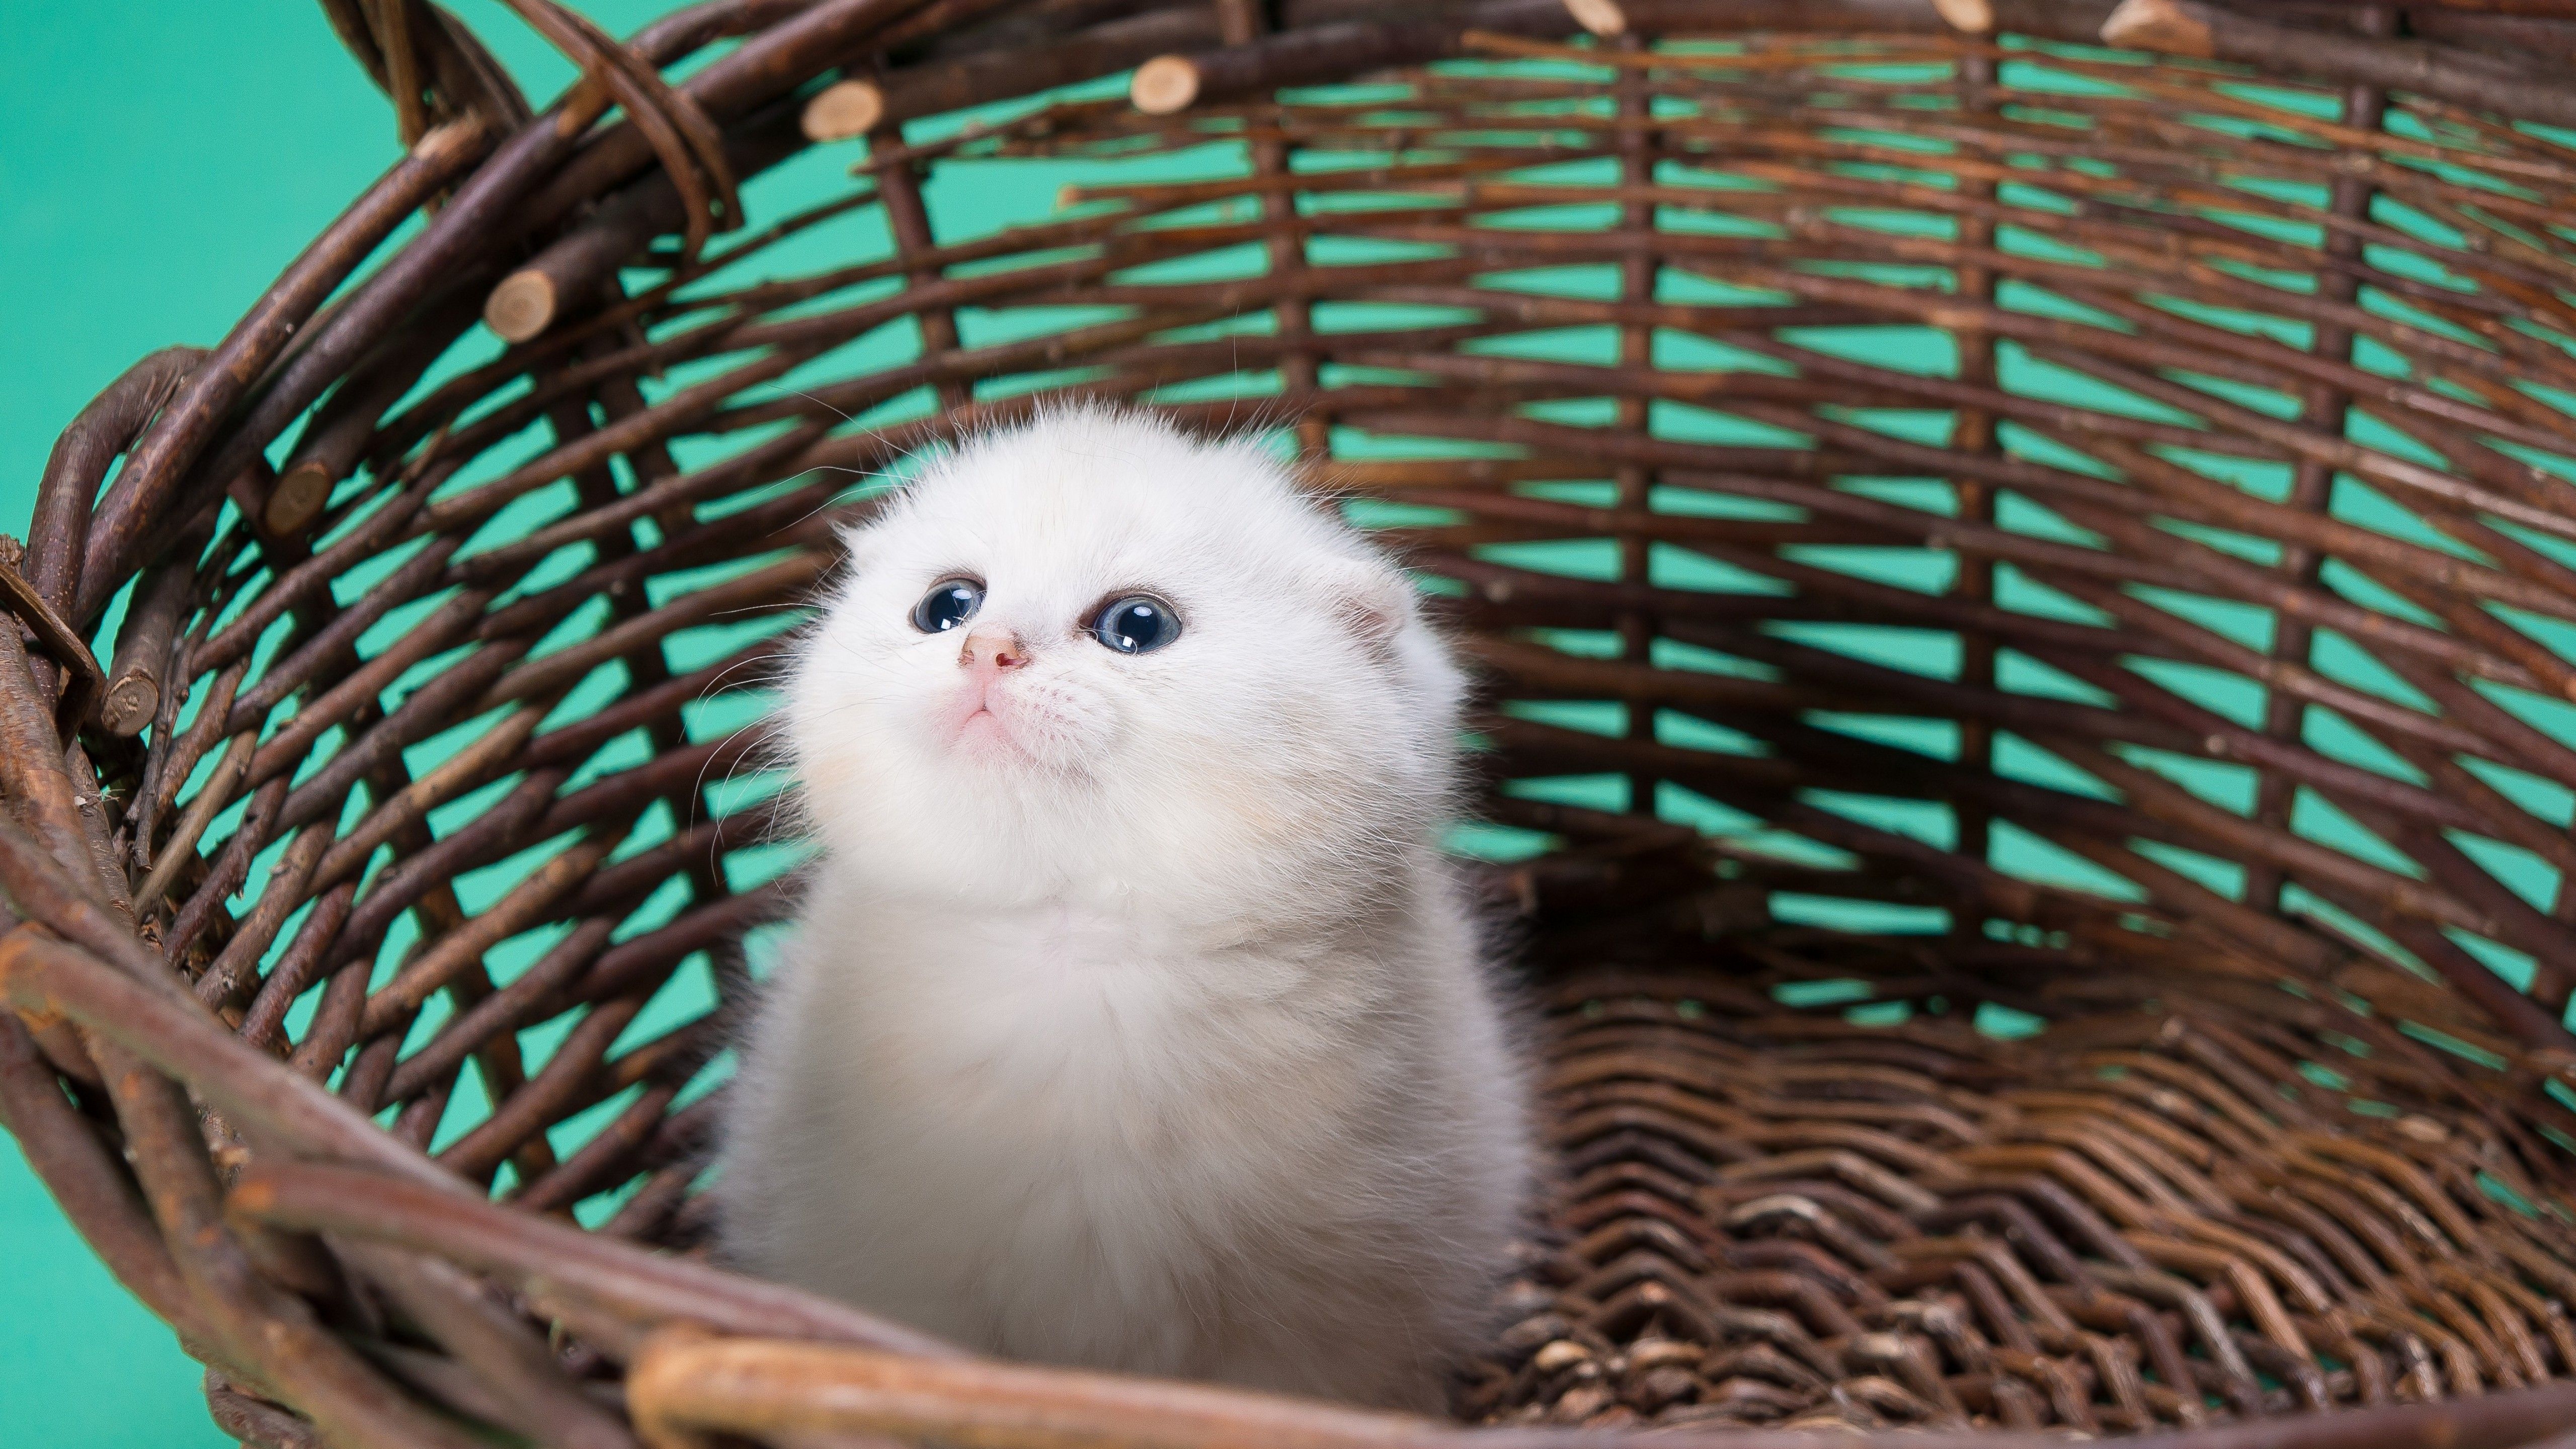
1371	596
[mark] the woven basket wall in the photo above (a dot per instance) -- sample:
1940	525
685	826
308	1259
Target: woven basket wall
2023	557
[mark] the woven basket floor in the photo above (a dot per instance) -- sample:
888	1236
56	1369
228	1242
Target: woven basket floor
1868	1214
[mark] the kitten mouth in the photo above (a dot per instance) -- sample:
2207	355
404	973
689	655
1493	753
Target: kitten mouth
979	731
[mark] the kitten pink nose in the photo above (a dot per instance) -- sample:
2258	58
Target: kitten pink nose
990	651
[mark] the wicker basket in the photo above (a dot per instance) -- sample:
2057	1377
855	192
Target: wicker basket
2021	551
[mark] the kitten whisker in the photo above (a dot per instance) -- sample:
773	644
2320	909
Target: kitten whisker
818	402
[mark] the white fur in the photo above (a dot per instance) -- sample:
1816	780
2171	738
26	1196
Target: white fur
1138	1026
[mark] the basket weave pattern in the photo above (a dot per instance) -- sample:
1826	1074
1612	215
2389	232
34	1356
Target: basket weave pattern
2023	589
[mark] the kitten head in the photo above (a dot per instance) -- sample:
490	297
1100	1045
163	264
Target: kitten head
1092	655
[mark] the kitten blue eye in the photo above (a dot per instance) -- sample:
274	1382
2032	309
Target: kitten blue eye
1137	624
949	603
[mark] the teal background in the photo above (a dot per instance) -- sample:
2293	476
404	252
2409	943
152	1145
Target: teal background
159	165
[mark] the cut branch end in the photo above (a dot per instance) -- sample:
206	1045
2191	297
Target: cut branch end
303	489
1601	17
2171	26
522	307
849	109
1164	85
130	705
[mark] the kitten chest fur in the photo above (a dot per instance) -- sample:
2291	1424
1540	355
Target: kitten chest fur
1156	1120
1075	1030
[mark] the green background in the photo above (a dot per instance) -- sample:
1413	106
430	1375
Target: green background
159	164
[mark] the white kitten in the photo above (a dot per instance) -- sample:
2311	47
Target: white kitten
1133	1021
